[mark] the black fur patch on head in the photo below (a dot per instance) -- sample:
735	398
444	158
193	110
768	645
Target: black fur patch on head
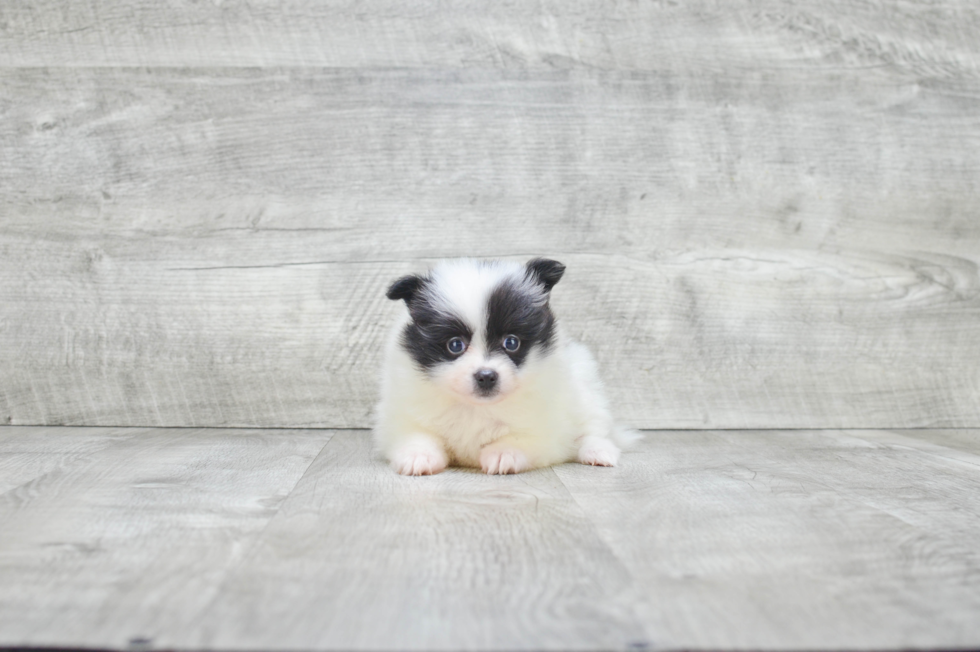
545	271
426	336
511	310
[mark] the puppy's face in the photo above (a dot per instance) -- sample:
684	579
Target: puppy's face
476	327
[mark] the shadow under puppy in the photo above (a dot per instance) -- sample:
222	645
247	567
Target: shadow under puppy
478	373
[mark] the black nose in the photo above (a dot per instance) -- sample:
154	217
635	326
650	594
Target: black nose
486	379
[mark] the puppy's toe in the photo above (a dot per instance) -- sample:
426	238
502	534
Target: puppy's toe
503	461
598	451
419	461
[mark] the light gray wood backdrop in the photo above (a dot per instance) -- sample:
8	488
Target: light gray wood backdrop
769	209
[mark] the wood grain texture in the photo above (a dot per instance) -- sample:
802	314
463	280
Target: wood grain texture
360	558
934	39
110	535
796	540
238	540
769	211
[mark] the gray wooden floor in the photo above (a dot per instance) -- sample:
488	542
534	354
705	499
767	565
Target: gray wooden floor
302	539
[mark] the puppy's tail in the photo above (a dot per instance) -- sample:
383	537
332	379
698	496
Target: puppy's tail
624	437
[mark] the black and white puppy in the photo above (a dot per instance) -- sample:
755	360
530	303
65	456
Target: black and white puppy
477	373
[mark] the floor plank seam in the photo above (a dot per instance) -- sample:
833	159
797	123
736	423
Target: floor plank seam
634	592
256	538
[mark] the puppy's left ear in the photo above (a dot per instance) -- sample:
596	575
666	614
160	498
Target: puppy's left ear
405	288
545	271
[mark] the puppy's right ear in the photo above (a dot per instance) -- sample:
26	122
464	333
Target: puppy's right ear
405	288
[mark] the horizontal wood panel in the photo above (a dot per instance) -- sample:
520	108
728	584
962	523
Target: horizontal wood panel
933	39
731	338
748	245
159	150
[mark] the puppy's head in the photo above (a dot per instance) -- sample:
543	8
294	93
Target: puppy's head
476	327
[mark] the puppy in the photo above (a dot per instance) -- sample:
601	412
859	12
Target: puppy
477	373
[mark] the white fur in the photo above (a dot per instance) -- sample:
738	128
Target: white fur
550	410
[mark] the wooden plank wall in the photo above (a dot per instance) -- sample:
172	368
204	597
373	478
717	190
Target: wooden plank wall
769	209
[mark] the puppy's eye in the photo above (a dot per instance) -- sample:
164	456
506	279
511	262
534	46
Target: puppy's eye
456	345
511	343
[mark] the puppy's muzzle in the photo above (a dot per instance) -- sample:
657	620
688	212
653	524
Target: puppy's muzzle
486	381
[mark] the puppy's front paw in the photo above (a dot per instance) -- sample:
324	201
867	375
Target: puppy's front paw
503	460
419	459
598	451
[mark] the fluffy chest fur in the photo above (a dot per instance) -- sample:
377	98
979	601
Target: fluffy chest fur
541	410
